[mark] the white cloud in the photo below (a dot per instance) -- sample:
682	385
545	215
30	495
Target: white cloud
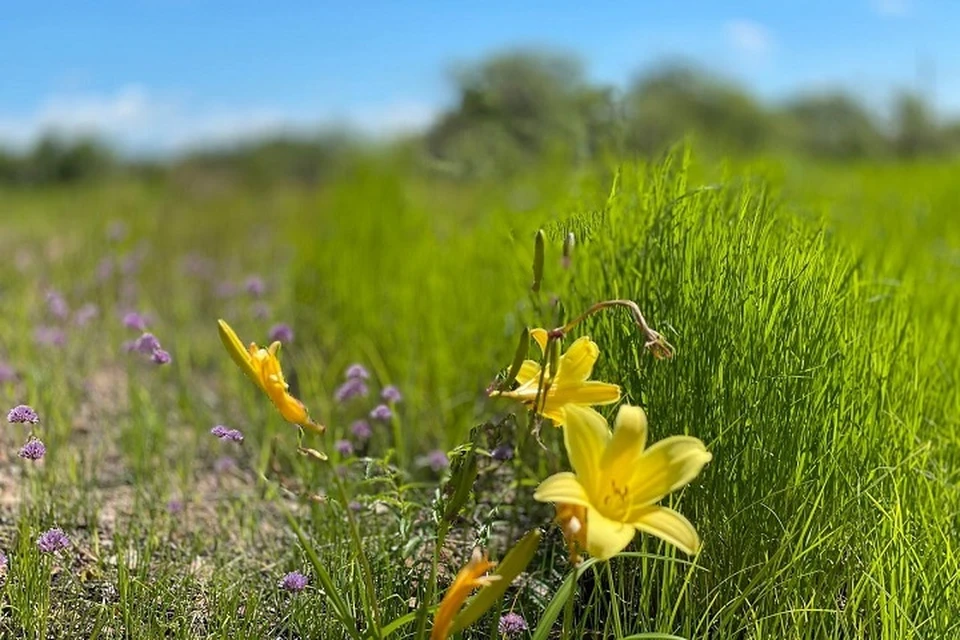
891	8
137	120
749	37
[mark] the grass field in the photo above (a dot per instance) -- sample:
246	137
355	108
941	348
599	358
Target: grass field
812	310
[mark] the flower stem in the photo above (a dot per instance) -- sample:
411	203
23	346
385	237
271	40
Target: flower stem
371	599
615	604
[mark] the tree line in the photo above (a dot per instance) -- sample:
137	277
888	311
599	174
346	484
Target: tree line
516	108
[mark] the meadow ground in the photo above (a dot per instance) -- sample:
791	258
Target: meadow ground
812	310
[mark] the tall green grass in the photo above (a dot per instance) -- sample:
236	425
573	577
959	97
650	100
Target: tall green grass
813	312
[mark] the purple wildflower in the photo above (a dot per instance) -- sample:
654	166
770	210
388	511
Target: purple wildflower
512	624
146	344
224	464
23	414
361	429
222	432
57	306
7	373
437	460
343	447
85	314
105	269
294	581
261	310
134	320
160	356
33	450
255	286
3	562
53	540
357	372
502	453
381	412
355	506
226	290
352	388
281	333
391	394
175	507
50	336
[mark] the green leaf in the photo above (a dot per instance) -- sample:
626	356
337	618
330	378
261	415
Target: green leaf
512	565
564	593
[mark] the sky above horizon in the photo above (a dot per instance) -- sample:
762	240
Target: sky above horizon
161	76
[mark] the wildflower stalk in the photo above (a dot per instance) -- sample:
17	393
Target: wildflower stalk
655	342
370	601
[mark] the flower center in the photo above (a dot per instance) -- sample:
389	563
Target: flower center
614	500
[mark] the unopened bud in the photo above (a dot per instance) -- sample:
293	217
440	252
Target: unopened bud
537	261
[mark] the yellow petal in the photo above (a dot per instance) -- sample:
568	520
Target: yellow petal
235	348
586	393
576	365
555	413
665	467
585	437
562	487
606	538
540	336
529	373
627	444
670	526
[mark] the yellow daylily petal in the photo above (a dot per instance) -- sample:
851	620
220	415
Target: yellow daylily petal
665	467
670	526
605	537
236	350
555	414
576	364
627	444
586	393
562	488
529	373
585	437
469	578
540	337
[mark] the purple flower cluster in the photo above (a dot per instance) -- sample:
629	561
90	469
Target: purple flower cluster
57	305
7	373
281	333
511	625
255	286
49	336
437	460
343	447
224	433
360	429
391	394
22	414
86	314
381	412
3	562
53	540
294	582
147	344
34	449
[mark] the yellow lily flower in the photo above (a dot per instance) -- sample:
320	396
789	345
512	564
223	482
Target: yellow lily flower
263	367
470	577
616	482
568	386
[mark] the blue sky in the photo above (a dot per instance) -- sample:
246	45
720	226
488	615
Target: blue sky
163	75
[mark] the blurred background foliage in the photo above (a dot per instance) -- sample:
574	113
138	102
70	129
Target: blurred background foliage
519	107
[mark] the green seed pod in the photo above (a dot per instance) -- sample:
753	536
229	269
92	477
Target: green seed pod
461	480
568	243
518	357
512	565
537	261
